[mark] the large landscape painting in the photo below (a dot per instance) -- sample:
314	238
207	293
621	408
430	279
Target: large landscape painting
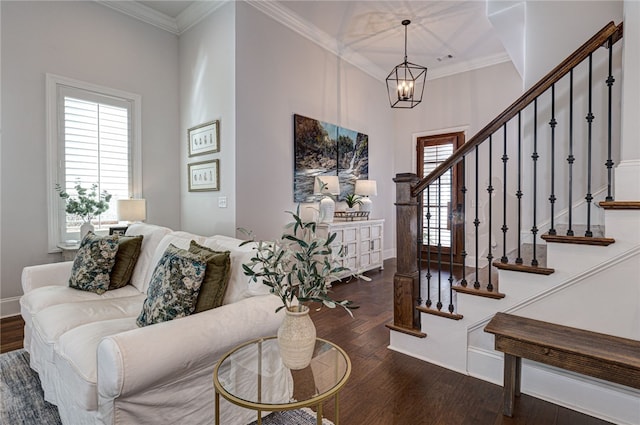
323	149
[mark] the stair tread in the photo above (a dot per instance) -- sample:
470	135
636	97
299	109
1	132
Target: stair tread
620	205
578	240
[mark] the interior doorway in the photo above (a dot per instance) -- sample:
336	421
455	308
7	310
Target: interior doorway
442	195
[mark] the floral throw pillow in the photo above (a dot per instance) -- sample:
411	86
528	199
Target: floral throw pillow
93	263
174	287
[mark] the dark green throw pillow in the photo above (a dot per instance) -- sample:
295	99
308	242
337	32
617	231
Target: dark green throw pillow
93	263
216	276
126	258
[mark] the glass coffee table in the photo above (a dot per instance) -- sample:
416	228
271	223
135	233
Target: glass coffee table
252	376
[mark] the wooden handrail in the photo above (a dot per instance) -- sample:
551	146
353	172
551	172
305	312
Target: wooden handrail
583	52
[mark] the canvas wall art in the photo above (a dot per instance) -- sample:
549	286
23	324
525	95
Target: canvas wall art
324	149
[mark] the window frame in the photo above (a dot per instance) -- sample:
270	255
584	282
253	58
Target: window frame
55	145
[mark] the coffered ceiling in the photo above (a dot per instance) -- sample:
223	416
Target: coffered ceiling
446	36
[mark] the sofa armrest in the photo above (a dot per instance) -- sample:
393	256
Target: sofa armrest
45	275
161	355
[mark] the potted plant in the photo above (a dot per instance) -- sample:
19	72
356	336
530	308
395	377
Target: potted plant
352	200
87	204
298	268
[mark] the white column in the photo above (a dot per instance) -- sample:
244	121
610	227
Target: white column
627	173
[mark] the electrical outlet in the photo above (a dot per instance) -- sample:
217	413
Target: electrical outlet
222	202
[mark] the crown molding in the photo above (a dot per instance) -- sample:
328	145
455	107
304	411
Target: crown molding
143	13
196	12
189	17
294	22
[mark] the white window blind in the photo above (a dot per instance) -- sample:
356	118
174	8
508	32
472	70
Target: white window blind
438	198
96	150
93	138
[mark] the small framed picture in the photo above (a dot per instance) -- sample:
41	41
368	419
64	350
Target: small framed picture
204	138
118	230
204	176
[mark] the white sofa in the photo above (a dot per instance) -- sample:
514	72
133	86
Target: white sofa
98	366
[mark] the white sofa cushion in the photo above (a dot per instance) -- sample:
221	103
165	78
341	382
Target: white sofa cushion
50	323
152	235
54	321
76	361
47	296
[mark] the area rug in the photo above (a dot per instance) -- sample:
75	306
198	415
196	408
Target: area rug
22	400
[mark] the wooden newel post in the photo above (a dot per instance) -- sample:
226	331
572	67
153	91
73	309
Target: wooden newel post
406	290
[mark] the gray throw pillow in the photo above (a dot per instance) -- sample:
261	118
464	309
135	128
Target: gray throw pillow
216	277
93	263
174	287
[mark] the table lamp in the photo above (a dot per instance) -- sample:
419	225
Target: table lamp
326	186
366	188
131	210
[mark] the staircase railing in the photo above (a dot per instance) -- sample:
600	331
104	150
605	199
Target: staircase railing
564	92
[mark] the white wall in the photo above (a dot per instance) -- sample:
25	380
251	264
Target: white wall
280	73
88	42
207	92
567	25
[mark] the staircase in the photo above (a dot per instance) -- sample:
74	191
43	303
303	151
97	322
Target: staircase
544	236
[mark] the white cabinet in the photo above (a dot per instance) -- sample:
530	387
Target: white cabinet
361	242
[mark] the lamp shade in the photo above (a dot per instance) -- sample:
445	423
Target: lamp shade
332	185
132	209
366	188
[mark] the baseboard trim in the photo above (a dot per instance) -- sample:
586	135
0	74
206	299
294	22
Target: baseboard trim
606	401
9	307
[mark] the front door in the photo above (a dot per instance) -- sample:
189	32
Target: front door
441	196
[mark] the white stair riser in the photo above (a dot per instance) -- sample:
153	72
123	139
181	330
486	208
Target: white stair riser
623	225
573	258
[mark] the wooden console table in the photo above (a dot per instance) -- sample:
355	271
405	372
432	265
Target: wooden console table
594	354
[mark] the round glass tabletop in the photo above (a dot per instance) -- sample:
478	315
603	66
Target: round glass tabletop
252	375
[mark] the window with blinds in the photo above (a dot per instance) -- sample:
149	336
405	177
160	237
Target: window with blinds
93	137
96	142
437	199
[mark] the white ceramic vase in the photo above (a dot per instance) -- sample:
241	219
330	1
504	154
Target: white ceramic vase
85	228
297	338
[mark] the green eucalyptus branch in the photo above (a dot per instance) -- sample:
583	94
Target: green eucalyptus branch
298	266
88	203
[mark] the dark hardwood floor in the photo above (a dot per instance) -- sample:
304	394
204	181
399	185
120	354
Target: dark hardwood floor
390	388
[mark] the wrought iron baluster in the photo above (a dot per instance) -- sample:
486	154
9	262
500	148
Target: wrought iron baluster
552	124
534	157
428	302
419	242
610	81
451	228
504	228
570	158
439	304
589	119
463	253
519	191
490	193
476	223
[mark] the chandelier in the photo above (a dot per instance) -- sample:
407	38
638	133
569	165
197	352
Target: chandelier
405	83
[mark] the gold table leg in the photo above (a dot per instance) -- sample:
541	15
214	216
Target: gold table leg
319	415
337	410
217	408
